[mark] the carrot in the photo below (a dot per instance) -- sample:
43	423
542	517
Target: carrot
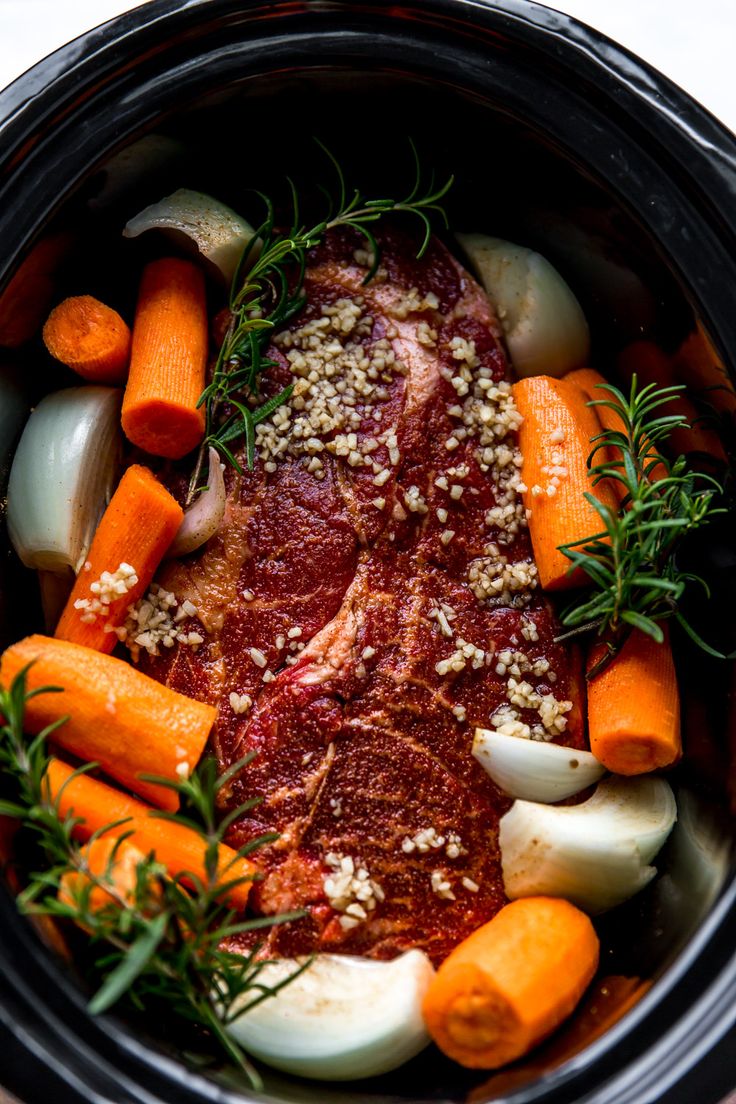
177	847
512	982
86	797
167	363
90	338
634	707
131	539
115	715
27	298
589	381
554	439
113	863
651	365
699	365
605	1002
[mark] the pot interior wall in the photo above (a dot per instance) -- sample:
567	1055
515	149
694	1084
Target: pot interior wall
512	181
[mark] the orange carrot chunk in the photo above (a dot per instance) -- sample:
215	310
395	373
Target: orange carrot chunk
554	439
699	365
589	381
512	982
168	358
129	544
651	365
634	707
86	797
114	865
26	299
90	338
127	722
177	847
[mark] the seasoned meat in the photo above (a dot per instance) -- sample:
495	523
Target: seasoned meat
372	593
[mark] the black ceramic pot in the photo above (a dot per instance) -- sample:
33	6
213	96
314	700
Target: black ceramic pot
558	138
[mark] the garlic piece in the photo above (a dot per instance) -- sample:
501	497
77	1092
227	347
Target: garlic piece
595	854
532	769
202	519
343	1018
544	325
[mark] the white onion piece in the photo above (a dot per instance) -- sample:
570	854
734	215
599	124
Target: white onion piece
532	769
545	328
64	471
203	517
342	1019
219	234
595	854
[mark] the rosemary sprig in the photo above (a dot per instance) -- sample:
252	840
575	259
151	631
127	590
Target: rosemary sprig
268	290
159	945
632	561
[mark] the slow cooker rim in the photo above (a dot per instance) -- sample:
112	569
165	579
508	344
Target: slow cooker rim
86	56
83	70
669	119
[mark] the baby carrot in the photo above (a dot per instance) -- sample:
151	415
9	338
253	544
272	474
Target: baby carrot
177	847
699	365
168	358
26	299
90	338
512	982
117	716
88	798
129	544
115	865
555	441
634	707
651	365
589	381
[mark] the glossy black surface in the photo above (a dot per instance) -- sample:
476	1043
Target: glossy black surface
522	103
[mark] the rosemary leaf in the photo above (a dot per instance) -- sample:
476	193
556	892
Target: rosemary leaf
128	969
157	945
267	292
632	562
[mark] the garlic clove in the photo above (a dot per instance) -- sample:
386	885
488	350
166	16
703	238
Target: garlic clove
343	1018
202	519
595	854
218	233
532	769
544	325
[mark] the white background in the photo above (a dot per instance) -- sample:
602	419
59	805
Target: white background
692	41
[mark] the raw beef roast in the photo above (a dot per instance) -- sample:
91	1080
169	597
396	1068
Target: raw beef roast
370	599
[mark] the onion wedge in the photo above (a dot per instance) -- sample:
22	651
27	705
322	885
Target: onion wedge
544	325
63	475
217	232
341	1019
595	854
202	519
532	769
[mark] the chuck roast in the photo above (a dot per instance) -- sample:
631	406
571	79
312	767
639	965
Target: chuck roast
369	599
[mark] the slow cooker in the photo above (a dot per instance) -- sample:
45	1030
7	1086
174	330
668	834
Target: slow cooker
558	138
